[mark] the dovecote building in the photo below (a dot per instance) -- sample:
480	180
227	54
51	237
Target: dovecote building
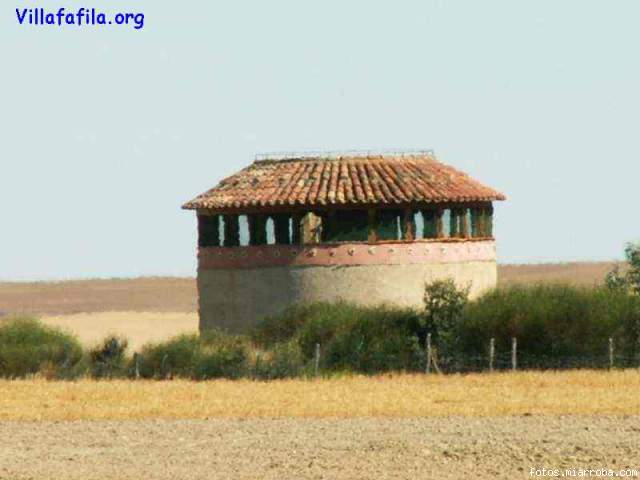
368	229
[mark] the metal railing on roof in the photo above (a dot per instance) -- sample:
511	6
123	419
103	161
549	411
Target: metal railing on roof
334	154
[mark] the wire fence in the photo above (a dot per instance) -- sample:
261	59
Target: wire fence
504	362
268	365
429	360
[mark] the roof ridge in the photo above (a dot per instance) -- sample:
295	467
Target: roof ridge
343	158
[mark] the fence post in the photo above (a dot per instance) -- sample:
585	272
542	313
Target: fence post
514	354
136	361
492	352
428	348
610	353
316	364
163	366
256	368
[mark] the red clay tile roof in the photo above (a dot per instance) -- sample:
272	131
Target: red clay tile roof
349	180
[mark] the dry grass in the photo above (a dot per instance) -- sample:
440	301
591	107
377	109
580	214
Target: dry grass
477	395
138	327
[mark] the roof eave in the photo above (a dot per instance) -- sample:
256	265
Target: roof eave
269	207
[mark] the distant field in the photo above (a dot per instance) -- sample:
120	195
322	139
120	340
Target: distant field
141	309
180	295
580	273
146	294
138	327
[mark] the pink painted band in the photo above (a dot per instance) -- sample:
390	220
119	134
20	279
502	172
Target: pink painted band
392	253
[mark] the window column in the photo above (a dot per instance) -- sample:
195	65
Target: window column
482	221
488	221
281	228
464	223
296	228
430	220
454	223
257	229
208	230
387	225
372	218
408	225
231	231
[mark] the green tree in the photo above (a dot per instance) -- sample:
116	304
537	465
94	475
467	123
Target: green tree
444	305
632	255
629	280
616	280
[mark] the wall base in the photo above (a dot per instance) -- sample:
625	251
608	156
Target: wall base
235	299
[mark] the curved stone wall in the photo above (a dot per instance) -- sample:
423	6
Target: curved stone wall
238	286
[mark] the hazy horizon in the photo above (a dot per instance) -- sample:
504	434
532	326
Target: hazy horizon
106	132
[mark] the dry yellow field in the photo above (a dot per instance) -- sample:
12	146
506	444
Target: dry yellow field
474	395
138	327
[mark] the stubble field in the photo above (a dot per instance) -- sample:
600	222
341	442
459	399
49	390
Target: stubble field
308	448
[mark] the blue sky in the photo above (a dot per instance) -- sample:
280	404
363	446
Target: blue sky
105	132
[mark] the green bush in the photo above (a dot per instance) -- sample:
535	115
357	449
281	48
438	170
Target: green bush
221	356
175	357
352	337
322	322
283	360
555	324
375	339
444	305
212	355
28	347
107	360
274	329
